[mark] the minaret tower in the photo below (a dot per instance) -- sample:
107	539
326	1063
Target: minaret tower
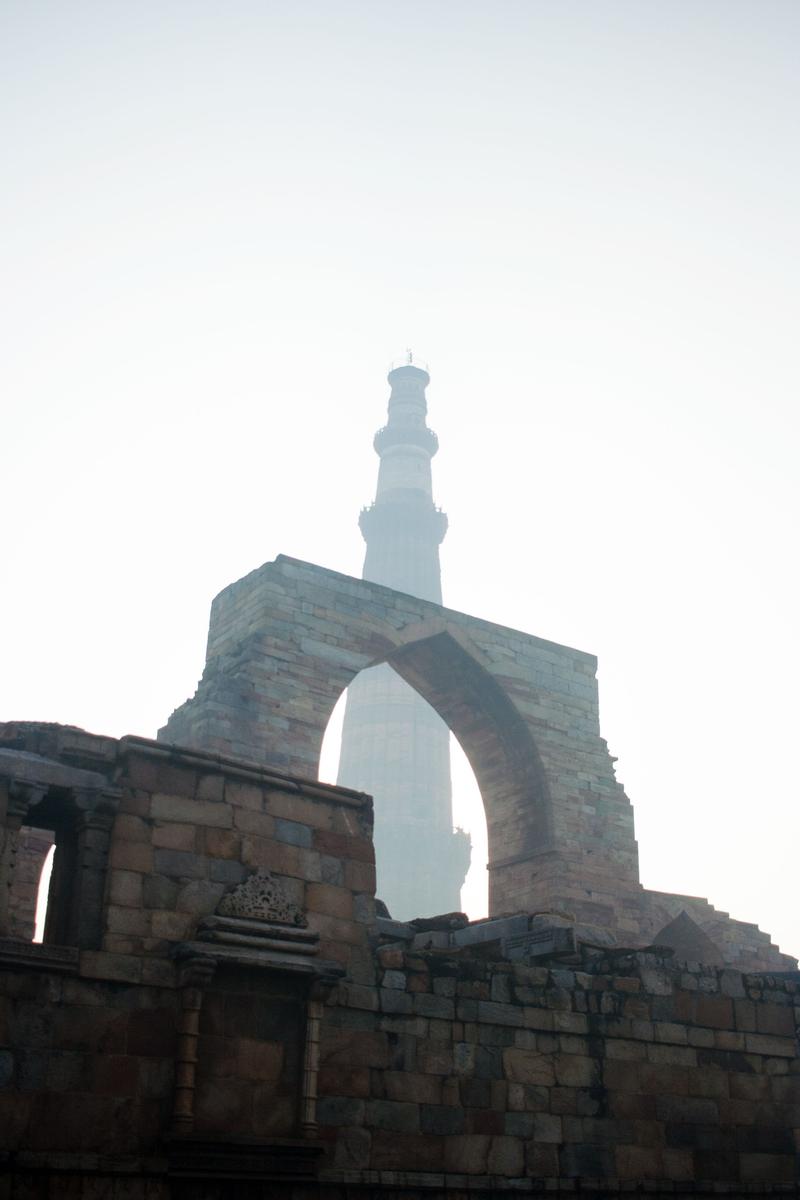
394	745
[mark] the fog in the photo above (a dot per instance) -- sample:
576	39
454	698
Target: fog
219	225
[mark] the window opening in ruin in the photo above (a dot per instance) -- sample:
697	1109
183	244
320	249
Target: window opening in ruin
50	915
468	809
43	893
34	847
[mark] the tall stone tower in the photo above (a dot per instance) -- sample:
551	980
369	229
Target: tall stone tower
394	745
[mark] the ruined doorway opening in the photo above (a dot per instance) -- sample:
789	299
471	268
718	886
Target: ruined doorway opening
467	808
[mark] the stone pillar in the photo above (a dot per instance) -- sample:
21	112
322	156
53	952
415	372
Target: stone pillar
308	1115
196	974
18	798
93	843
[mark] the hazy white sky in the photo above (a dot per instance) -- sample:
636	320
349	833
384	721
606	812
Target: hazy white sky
220	221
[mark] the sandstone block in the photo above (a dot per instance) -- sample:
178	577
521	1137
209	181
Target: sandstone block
714	1011
441	1119
775	1019
762	1168
439	1007
244	796
351	1081
394	980
292	832
200	897
467	1154
340	1110
519	1124
127	921
397	1115
174	836
359	876
173	926
125	888
499	1014
291	807
353	1147
726	1039
211	787
639	1162
580	1161
354	995
547	1128
159	892
678	1165
334	901
528	1066
258	823
222	843
392	1152
688	1110
411	1086
434	1058
506	1156
778	1047
392	1000
570	1022
130	828
574	1070
354	1048
680	1056
204	813
541	1161
96	964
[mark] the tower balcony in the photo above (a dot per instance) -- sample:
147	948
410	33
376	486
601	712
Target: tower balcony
406	435
390	518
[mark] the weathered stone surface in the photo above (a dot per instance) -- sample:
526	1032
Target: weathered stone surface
470	1072
287	640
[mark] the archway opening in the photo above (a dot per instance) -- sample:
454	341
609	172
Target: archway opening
468	812
501	754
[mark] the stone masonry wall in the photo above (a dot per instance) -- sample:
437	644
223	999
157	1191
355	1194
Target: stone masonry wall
285	642
443	1069
628	1069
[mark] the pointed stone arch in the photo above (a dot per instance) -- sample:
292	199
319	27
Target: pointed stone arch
284	643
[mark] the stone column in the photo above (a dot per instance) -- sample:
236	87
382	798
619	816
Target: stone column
196	974
18	799
320	990
94	824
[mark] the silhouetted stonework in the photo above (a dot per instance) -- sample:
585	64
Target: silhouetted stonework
284	643
197	1036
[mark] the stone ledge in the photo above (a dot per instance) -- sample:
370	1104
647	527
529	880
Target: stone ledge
238	768
53	1161
196	1156
17	953
586	1187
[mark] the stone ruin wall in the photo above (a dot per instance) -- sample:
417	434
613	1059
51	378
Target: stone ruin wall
286	640
444	1067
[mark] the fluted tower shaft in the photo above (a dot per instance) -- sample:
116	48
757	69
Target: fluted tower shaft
393	743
